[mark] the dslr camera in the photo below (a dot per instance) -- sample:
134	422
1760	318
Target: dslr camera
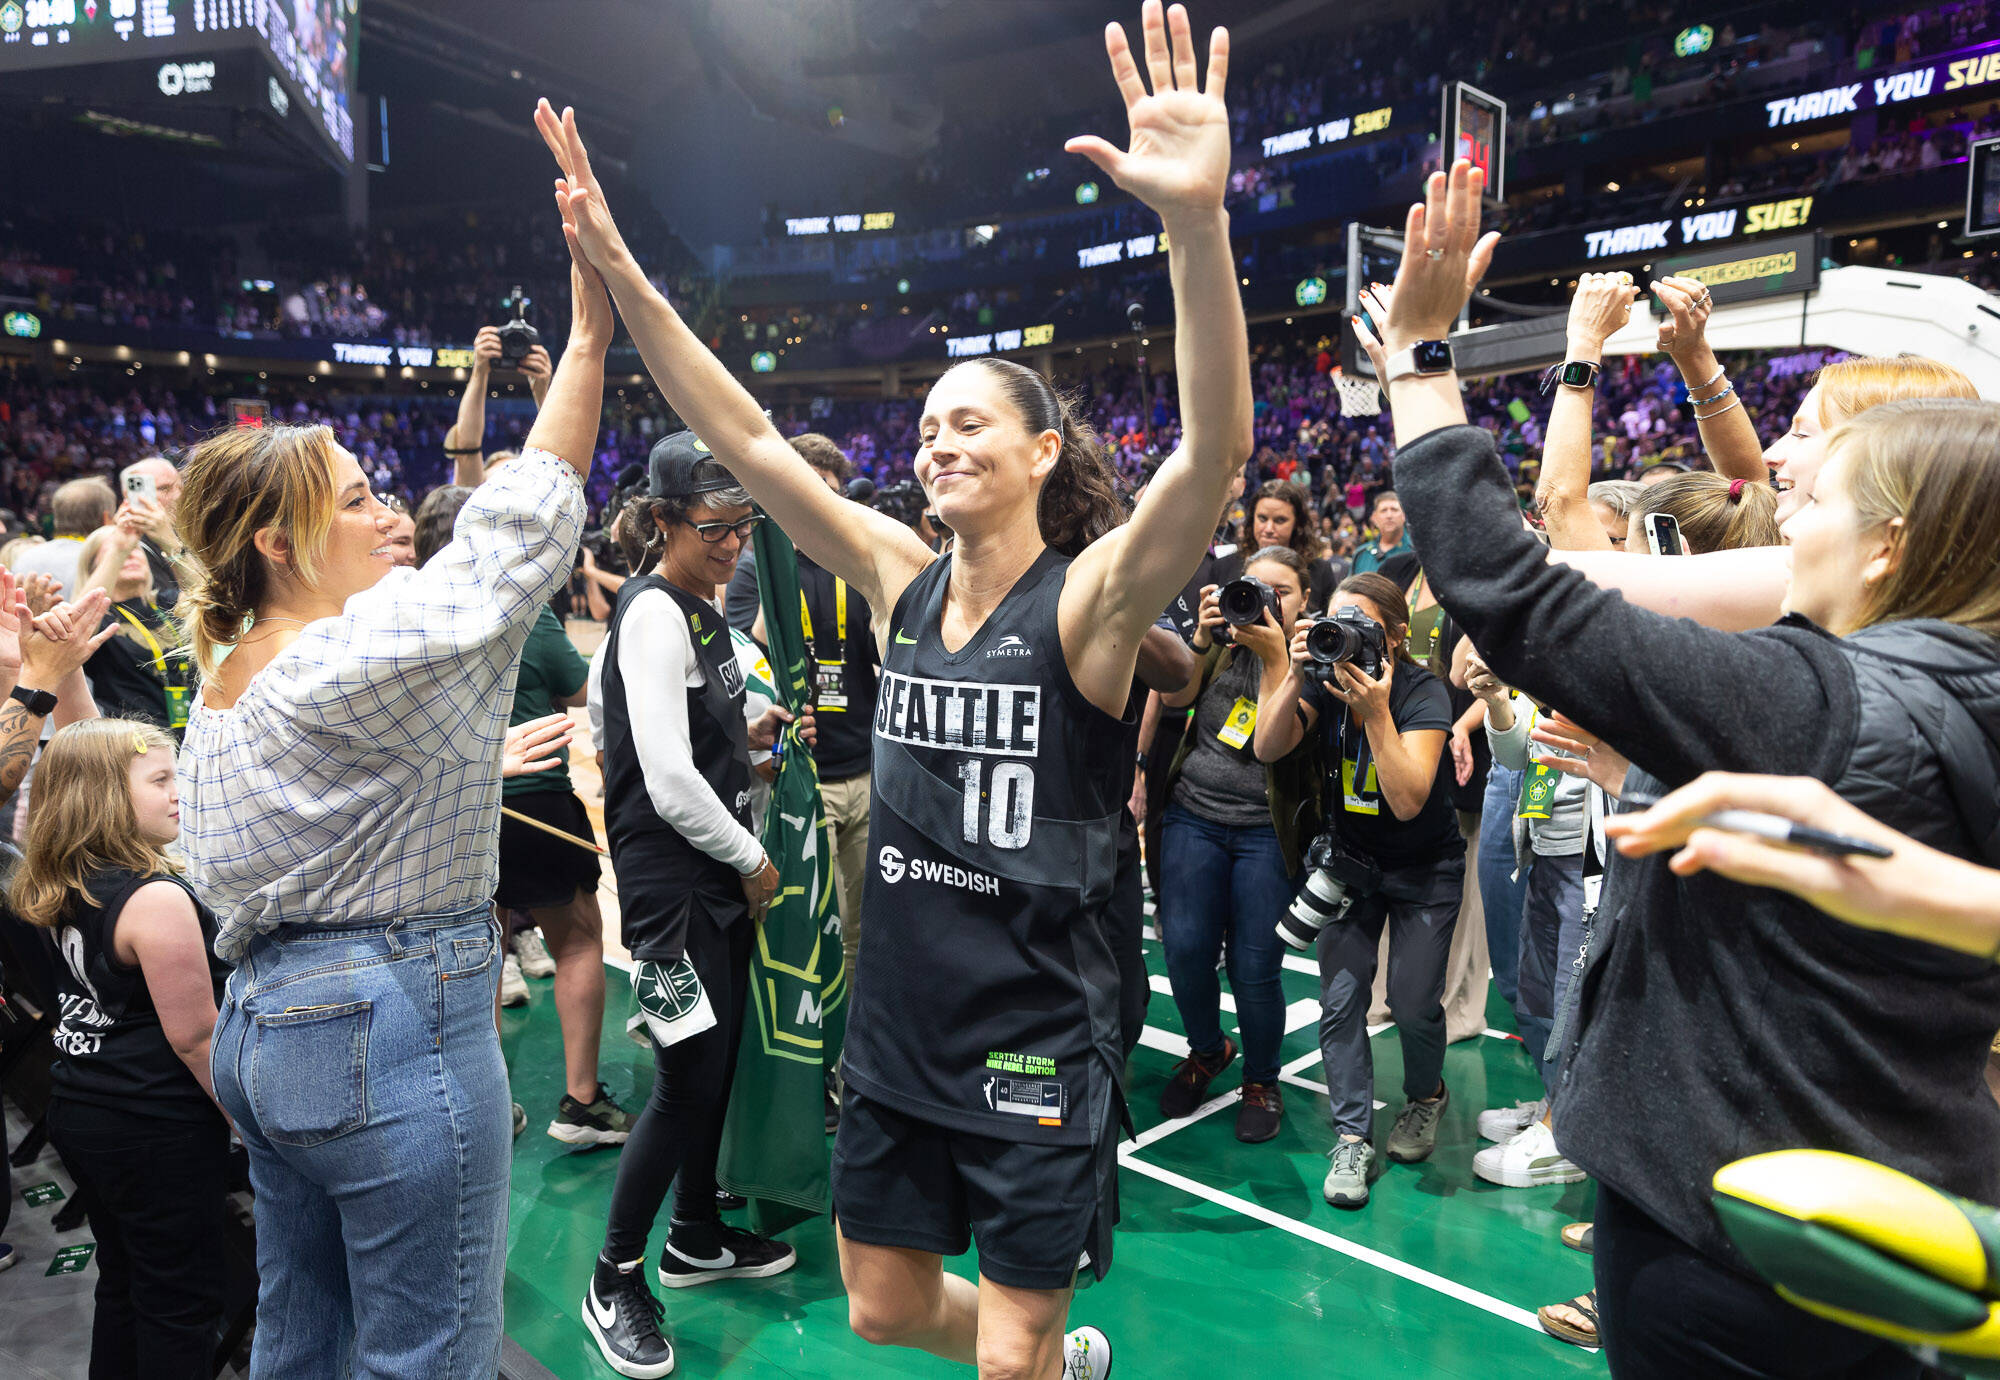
517	337
1335	880
1347	635
904	501
1244	600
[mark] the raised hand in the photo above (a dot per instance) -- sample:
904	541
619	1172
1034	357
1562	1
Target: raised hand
1600	309
1686	326
1444	257
1375	301
42	592
14	617
587	222
1178	159
61	640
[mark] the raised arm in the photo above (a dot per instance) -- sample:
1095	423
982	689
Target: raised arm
872	552
567	422
1178	164
465	443
1727	433
1602	304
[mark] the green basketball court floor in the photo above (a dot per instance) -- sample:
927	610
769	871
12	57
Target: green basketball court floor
1229	1264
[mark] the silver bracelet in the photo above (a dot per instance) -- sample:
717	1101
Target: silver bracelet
1710	416
1719	372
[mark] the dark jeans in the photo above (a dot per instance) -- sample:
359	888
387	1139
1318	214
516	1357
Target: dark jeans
1551	934
680	1130
155	1190
1667	1312
1223	882
1420	907
1501	895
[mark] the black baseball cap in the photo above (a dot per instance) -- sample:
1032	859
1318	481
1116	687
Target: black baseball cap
673	470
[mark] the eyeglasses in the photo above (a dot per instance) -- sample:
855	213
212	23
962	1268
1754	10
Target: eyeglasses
713	532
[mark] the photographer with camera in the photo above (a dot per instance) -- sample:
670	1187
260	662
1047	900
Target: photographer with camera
514	345
1391	856
1233	838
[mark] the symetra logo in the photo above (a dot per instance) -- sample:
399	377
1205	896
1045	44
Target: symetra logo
894	868
1010	645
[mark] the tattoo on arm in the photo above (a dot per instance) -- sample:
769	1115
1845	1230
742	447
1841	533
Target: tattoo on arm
20	734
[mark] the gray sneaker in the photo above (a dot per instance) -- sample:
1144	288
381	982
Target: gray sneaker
1416	1133
1347	1177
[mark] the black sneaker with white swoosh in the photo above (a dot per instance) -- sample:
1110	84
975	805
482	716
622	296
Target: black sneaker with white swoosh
624	1320
713	1250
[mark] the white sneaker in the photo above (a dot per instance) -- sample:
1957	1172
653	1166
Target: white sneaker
1502	1124
1086	1355
513	987
533	954
1527	1161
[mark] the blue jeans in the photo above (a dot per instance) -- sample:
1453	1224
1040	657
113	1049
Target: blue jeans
1219	881
363	1071
1551	934
1500	894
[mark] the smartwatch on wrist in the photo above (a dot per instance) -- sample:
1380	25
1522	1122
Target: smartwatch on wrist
40	703
1575	373
1141	762
1423	359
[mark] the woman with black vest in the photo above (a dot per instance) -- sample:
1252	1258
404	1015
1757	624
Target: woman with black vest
1720	1020
693	884
982	1065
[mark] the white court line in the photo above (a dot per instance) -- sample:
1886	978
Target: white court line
1291	961
1319	1236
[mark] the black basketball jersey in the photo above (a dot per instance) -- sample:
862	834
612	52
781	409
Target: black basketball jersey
986	997
112	1050
646	850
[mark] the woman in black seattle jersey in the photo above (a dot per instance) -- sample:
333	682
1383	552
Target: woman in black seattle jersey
982	1058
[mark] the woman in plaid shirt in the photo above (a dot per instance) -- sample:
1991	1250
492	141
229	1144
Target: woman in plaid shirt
340	795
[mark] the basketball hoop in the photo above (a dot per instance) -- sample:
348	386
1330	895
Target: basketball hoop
1359	395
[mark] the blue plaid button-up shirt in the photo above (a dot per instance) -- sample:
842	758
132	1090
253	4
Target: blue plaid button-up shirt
357	779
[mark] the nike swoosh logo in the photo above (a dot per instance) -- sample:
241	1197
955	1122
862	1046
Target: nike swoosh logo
721	1262
707	638
906	641
606	1317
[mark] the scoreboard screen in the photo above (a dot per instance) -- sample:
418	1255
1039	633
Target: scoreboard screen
1982	192
310	43
1475	128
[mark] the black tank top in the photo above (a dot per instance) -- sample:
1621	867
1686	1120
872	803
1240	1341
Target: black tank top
112	1050
648	852
987	992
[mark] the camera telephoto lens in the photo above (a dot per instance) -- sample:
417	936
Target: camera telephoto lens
1330	641
1322	899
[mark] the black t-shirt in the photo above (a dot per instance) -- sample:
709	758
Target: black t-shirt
130	674
1364	821
840	640
113	1052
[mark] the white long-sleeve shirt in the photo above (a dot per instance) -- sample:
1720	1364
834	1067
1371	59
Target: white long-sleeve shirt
656	660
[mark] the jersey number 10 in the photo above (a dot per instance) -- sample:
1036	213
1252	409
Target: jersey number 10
1009	815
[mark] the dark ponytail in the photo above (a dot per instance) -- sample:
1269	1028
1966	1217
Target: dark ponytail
1081	499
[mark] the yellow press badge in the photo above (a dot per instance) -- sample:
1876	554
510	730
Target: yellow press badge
1367	800
1241	723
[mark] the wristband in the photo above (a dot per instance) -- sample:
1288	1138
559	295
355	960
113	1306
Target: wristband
1710	416
464	450
1719	372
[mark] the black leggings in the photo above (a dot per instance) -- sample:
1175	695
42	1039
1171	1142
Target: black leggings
680	1130
1666	1310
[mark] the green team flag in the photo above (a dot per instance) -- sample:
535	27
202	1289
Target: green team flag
774	1148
